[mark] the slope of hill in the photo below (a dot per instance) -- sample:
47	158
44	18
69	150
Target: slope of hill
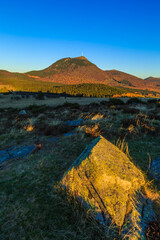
121	78
71	71
61	66
21	81
153	81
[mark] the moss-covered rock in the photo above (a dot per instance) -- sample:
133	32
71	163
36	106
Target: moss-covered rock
104	179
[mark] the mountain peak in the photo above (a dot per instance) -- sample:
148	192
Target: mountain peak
81	57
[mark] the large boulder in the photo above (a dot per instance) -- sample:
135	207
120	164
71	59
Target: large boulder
105	180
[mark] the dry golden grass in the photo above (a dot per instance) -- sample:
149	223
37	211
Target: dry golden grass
131	128
97	117
92	131
154	195
29	128
151	194
123	146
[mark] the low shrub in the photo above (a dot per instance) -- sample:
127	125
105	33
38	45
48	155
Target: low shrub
140	124
70	105
37	109
129	110
115	101
40	126
158	104
15	98
40	96
104	103
153	231
57	130
135	101
84	108
153	100
127	122
94	105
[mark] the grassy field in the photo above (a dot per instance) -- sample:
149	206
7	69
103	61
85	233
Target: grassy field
8	101
32	205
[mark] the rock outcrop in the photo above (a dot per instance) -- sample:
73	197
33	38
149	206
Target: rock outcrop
104	179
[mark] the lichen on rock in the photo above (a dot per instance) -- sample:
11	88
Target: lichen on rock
104	178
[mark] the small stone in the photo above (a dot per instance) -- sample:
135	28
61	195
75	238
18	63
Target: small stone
22	112
155	168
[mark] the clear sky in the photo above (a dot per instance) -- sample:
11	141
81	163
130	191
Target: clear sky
115	34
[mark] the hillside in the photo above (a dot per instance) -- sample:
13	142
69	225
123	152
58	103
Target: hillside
21	81
121	78
73	71
153	81
80	70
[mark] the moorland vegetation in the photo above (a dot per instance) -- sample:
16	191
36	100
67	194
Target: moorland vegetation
32	205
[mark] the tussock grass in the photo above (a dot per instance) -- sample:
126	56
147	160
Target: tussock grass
123	146
92	130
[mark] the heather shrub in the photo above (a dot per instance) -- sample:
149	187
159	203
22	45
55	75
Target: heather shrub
134	101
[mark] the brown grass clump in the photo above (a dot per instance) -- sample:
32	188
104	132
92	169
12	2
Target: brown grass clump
92	131
139	124
29	128
154	196
143	123
131	128
89	116
112	107
57	129
40	125
153	231
128	110
97	117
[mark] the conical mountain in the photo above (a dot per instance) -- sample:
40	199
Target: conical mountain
71	71
80	70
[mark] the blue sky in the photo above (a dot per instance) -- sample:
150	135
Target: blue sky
117	34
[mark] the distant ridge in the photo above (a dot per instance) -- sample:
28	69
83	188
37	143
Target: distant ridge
152	79
80	70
